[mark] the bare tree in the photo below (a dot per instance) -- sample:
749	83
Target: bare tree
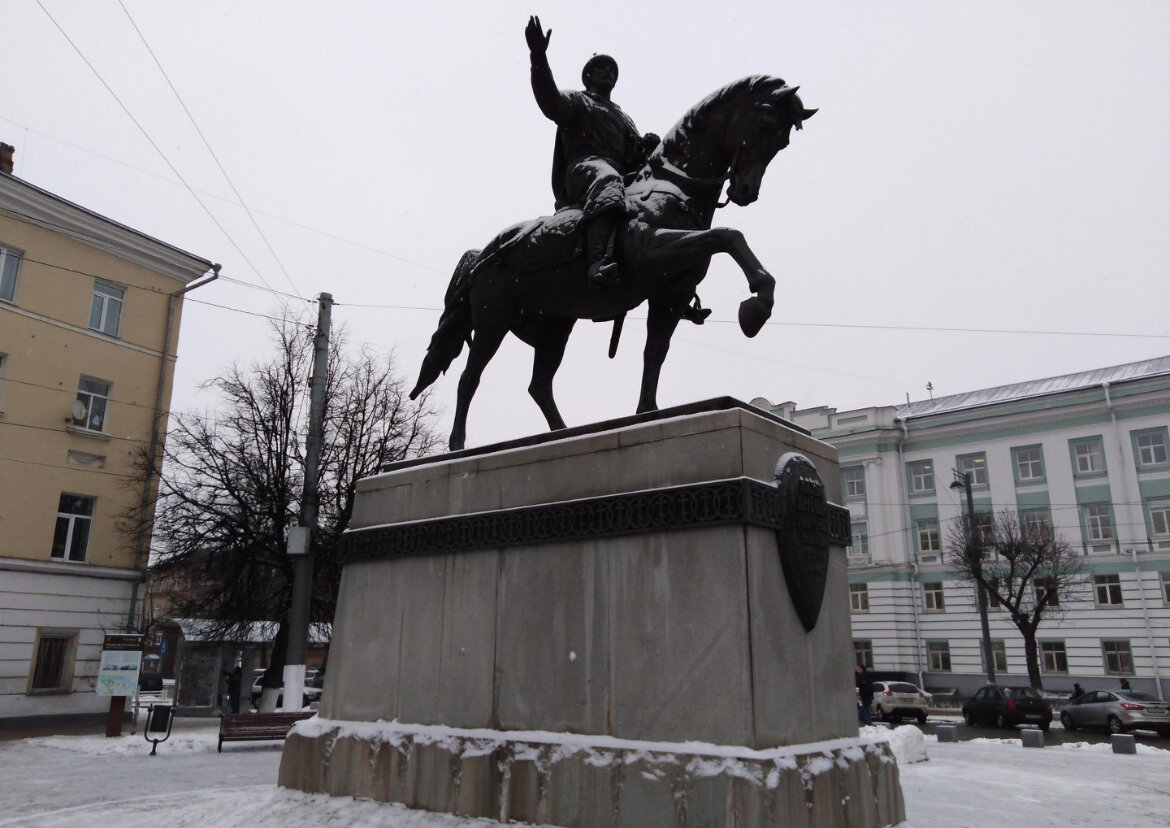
231	480
1024	568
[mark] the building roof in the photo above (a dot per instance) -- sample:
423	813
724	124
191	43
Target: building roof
1159	366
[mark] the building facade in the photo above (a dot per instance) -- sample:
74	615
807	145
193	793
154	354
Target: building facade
1087	455
89	320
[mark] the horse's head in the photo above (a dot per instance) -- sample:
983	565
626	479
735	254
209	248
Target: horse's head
761	131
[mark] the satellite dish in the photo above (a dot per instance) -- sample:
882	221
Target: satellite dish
78	410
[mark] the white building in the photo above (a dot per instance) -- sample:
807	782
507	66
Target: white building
1088	453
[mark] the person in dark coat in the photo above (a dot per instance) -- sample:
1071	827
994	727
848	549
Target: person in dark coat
864	694
235	682
1076	691
1125	684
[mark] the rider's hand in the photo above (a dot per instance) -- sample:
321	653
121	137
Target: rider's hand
536	36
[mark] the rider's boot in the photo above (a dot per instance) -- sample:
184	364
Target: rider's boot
695	312
599	234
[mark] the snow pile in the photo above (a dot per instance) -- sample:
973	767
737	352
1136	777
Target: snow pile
906	742
1106	747
189	742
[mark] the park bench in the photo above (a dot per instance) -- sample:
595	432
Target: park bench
255	727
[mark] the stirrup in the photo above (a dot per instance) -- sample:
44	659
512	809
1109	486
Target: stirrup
604	275
696	313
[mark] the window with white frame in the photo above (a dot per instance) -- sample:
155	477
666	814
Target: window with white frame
1166	588
74	520
1108	590
984	528
1118	656
859	597
1029	464
933	599
1098	519
929	538
94	396
1053	657
976	466
9	267
990	594
853	481
1159	512
1046	588
51	670
105	313
863	652
1088	456
999	655
939	656
1036	524
1150	447
922	477
860	546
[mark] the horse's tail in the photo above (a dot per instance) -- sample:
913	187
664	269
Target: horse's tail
454	325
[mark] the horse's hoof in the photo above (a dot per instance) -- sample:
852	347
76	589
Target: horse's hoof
753	313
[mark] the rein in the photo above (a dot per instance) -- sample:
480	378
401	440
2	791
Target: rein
663	168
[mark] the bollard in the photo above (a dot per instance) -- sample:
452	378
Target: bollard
947	733
1123	743
1033	738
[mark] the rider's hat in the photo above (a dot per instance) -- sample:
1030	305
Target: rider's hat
596	59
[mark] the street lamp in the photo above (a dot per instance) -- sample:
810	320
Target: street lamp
975	551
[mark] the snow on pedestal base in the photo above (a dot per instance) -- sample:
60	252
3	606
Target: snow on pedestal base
576	780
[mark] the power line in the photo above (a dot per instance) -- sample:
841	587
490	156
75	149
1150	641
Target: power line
69	468
151	141
207	144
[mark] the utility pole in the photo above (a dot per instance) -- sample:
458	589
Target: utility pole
975	550
300	538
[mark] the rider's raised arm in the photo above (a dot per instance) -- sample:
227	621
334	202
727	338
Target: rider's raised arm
551	100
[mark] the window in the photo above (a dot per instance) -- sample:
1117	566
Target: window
858	552
1159	511
976	466
1166	587
932	596
929	539
105	314
922	477
859	597
1150	447
990	594
3	364
984	528
1088	456
863	652
1098	521
74	518
93	395
52	664
1047	587
9	265
999	655
1108	589
853	481
1053	657
1036	525
939	656
1118	657
1029	464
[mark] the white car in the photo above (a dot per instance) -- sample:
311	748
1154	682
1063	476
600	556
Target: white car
310	694
896	700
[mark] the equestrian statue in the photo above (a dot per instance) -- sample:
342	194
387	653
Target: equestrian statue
632	225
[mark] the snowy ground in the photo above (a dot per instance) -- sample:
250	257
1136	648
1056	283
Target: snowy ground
983	783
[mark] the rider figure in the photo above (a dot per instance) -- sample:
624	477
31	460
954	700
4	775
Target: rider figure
597	144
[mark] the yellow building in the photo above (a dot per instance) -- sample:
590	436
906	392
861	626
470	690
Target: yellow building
89	320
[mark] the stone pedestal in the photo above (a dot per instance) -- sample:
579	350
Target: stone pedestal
623	585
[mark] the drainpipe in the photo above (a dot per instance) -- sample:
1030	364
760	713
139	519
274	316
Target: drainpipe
1149	626
142	538
905	498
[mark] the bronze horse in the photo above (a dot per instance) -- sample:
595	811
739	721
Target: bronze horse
530	279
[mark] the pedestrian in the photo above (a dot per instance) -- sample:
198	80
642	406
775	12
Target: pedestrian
1076	691
864	694
235	681
1125	684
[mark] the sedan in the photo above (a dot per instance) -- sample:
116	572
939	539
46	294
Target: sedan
1117	711
895	700
1007	707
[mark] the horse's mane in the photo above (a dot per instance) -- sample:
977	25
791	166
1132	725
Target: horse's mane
752	87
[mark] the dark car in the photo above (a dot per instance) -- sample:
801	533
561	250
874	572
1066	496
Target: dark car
1007	707
1118	711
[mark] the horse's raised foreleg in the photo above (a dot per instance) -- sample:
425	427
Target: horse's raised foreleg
484	344
667	246
661	321
549	349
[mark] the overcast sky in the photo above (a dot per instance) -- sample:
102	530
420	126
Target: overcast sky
975	168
